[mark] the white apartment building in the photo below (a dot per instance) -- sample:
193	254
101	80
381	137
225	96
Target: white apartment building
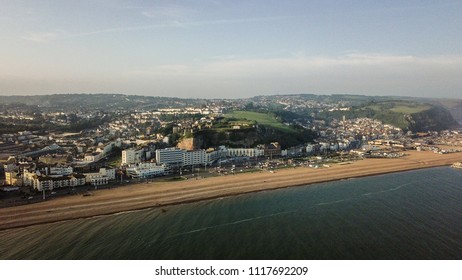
29	177
248	152
59	178
144	171
49	183
310	148
178	157
170	156
195	157
61	170
223	152
100	178
110	173
108	147
216	154
131	156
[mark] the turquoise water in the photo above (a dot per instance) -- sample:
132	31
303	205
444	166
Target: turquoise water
407	215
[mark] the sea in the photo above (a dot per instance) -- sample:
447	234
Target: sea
405	215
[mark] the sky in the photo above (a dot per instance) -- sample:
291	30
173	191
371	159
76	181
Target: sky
231	49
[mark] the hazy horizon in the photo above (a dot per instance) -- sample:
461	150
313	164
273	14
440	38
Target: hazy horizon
238	49
227	98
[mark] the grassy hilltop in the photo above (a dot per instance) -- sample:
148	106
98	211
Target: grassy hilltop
249	128
266	119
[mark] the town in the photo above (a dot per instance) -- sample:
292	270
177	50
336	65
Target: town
48	151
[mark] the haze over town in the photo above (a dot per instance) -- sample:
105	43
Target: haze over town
230	130
212	48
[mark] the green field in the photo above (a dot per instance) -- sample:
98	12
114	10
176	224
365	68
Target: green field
260	118
374	107
399	107
410	109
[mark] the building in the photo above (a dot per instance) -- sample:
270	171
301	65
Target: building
131	156
110	173
245	152
146	170
12	179
93	157
179	158
108	147
310	148
219	153
60	170
100	178
97	180
28	178
272	149
196	157
49	183
170	156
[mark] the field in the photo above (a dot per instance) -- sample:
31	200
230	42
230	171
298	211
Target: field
260	118
404	109
399	107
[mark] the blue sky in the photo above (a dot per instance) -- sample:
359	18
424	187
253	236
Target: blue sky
213	48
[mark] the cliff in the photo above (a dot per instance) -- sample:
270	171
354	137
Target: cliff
436	118
248	137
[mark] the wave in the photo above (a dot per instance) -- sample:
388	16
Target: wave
334	202
388	190
365	194
232	223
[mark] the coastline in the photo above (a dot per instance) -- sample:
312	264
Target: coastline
157	194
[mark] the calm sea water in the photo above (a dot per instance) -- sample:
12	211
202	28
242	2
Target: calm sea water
408	215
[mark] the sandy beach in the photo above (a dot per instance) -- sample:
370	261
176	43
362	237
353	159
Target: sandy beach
141	196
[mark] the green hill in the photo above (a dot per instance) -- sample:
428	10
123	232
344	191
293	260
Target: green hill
248	128
407	115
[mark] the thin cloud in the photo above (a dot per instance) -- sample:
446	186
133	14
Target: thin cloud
175	12
49	36
181	24
40	37
130	28
366	64
299	65
238	20
372	74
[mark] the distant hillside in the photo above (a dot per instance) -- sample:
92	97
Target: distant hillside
99	101
408	115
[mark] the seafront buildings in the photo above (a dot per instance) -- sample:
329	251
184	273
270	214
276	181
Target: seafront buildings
146	170
143	144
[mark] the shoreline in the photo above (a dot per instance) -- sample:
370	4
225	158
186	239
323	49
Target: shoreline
158	194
